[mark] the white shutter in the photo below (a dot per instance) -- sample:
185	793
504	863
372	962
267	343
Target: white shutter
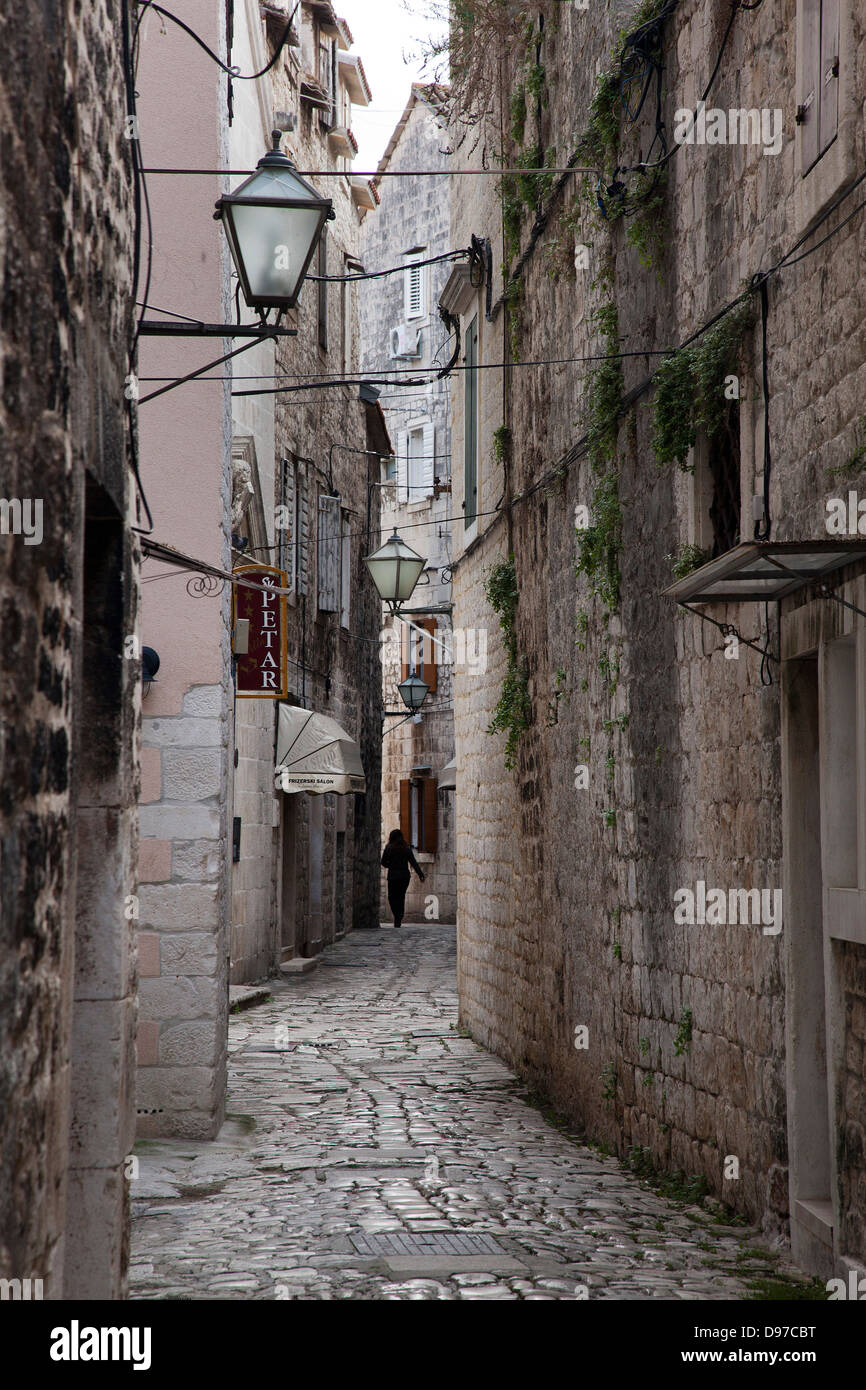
413	291
287	537
402	464
329	554
428	463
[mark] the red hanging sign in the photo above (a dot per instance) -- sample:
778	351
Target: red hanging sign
263	672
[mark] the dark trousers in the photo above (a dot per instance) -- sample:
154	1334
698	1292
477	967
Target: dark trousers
397	885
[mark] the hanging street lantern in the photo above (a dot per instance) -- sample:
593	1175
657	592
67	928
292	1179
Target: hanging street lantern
413	692
273	222
396	569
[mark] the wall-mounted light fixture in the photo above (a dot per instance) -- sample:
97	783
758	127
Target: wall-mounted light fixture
149	668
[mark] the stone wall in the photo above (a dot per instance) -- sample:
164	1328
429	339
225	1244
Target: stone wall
414	214
69	678
187	713
332	664
686	1025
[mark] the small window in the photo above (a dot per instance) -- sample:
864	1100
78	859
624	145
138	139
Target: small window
723	462
415	472
287	528
418	813
415	461
419	653
415	289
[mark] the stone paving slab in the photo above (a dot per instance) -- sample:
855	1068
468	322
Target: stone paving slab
355	1108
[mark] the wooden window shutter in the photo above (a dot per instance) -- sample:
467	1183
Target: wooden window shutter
405	638
287	534
406	809
470	426
428	451
829	74
303	542
810	96
402	465
429	787
323	291
413	291
430	673
329	554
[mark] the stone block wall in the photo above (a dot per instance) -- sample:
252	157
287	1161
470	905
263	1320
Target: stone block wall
69	682
686	1025
187	712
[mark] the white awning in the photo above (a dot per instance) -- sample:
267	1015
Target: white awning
448	776
315	755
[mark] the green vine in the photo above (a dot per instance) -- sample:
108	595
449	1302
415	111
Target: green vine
683	1039
690	386
599	543
518	113
513	713
687	559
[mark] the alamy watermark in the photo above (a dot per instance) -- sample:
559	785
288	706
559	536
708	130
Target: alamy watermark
22	516
718	907
737	126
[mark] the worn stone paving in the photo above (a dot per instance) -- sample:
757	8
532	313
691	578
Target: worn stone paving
357	1110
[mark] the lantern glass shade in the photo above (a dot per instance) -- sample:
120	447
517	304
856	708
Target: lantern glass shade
413	692
273	223
396	569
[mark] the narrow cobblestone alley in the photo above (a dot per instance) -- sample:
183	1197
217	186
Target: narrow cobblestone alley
371	1152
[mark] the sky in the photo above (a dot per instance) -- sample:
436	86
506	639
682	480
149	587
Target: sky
386	38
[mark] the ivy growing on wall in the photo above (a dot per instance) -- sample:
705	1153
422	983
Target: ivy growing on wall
599	543
690	386
513	713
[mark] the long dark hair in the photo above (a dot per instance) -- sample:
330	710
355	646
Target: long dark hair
396	838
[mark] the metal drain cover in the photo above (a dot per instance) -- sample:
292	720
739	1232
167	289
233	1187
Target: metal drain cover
408	1243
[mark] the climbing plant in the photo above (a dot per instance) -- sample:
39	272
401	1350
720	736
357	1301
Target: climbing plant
599	543
513	713
690	386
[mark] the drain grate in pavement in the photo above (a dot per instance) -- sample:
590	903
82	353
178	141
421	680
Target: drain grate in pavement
433	1243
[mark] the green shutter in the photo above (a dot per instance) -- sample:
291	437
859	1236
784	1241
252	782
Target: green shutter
470	489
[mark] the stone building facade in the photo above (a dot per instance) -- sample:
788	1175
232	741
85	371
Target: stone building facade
69	683
241	878
187	712
322	508
412	225
655	756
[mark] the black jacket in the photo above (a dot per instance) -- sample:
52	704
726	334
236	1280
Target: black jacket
397	858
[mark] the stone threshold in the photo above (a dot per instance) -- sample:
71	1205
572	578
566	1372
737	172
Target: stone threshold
243	997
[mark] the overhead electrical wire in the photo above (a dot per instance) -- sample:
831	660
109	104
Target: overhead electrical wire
232	72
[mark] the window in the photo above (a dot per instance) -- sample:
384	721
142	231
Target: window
714	504
415	461
302	534
287	522
419	653
346	570
323	290
414	289
818	107
470	426
418	813
330	541
723	461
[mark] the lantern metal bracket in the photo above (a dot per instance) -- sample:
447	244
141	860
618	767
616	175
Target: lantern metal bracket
154	328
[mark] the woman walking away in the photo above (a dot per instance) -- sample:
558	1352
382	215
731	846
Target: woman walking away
396	859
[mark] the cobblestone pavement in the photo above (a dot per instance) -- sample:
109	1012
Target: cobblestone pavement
361	1121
